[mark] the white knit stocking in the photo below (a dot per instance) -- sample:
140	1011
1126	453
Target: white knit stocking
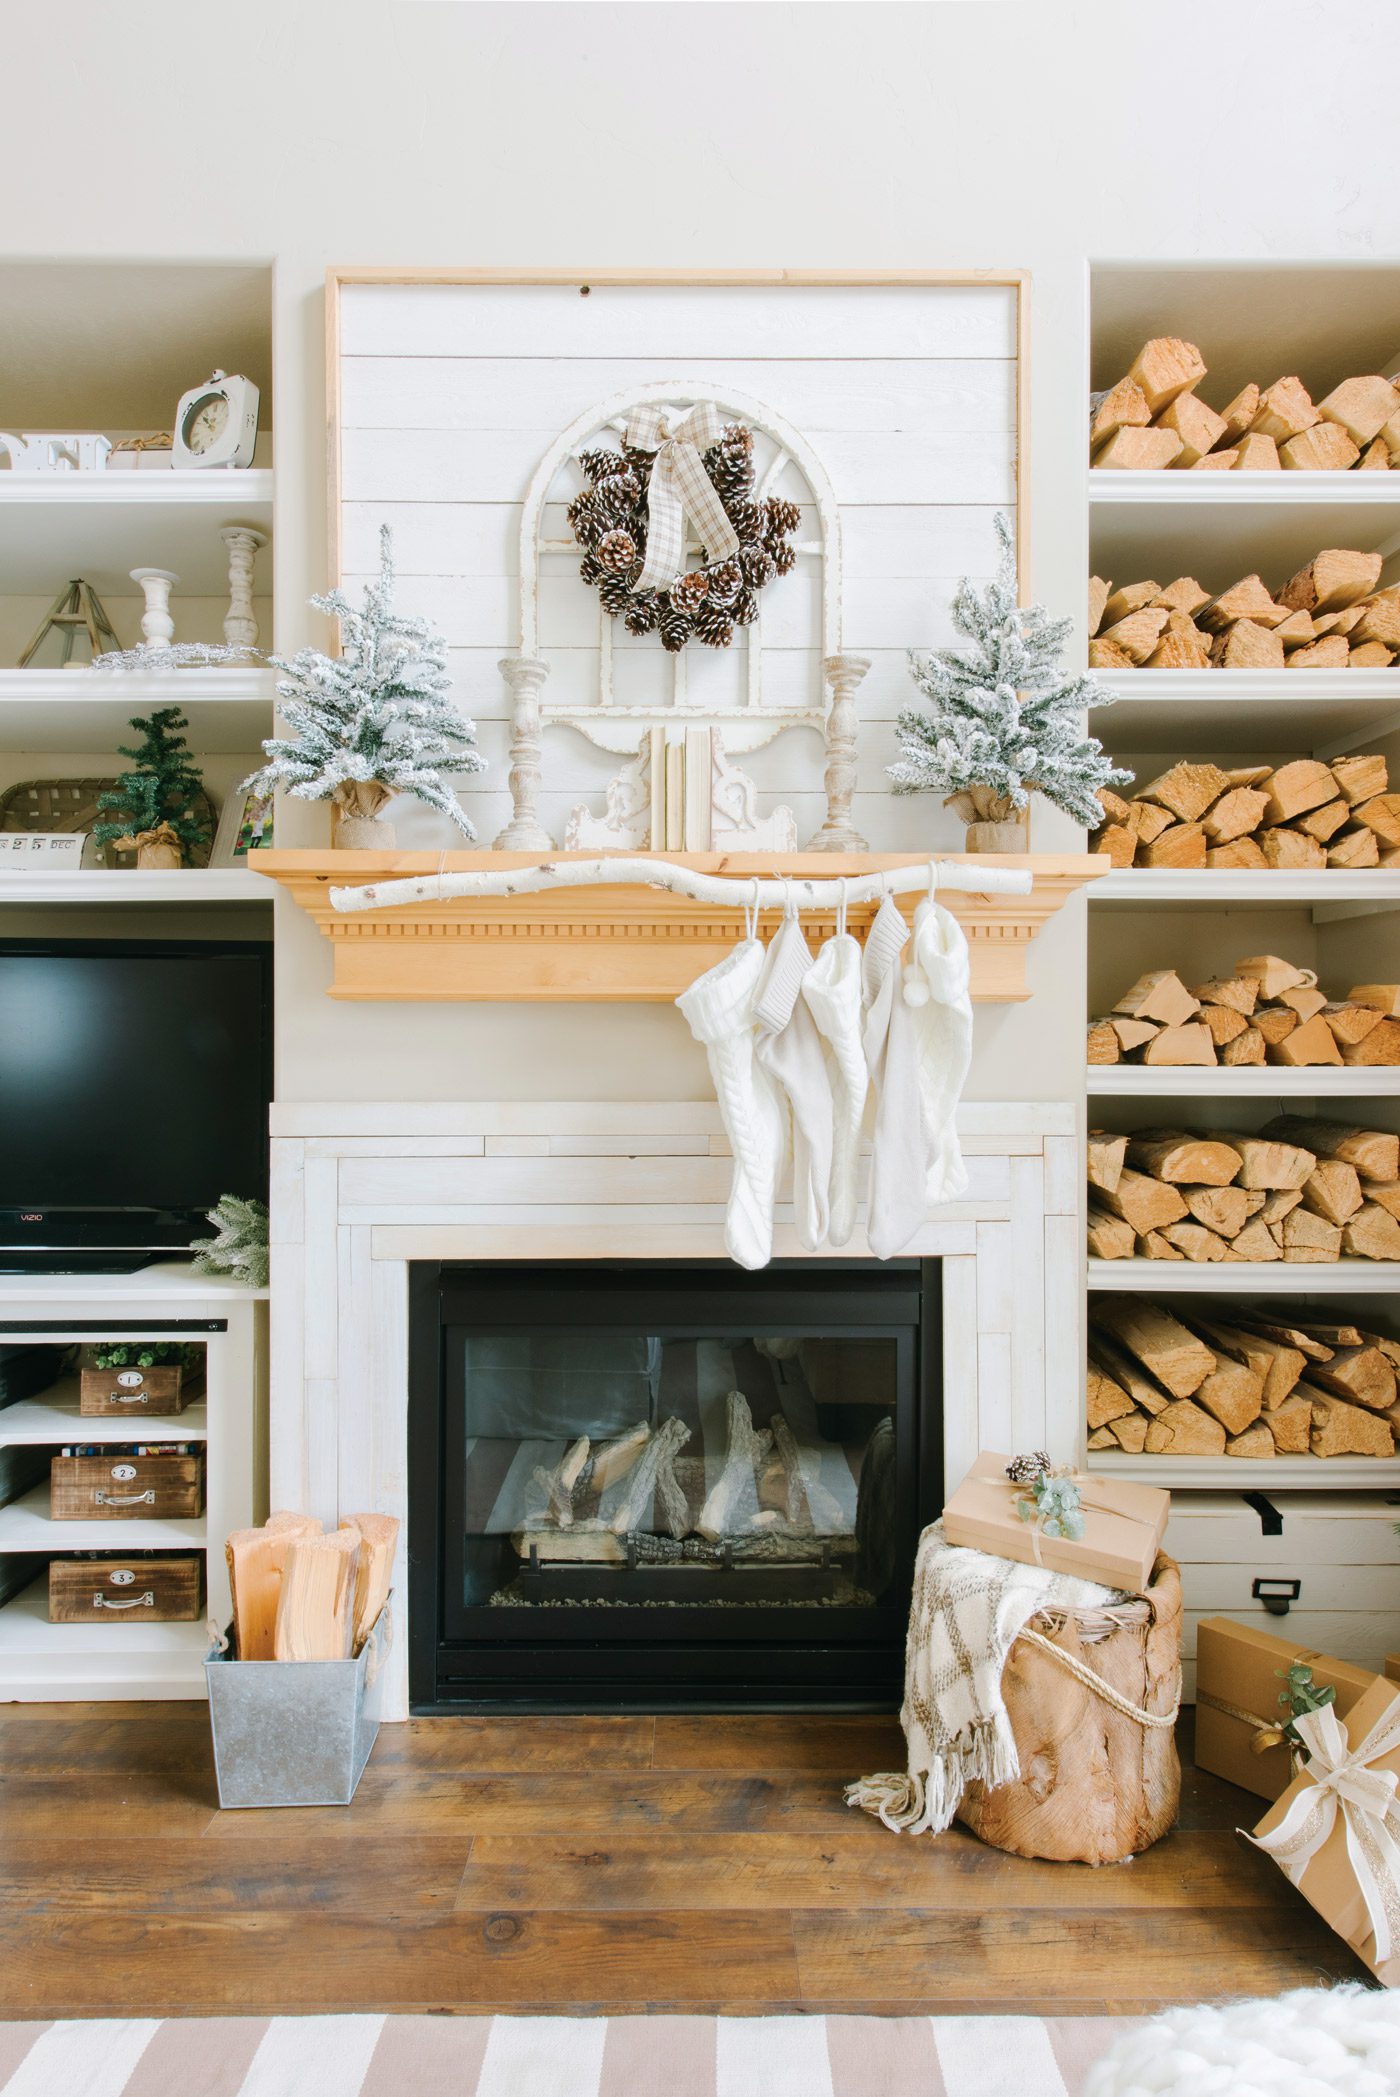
790	1049
719	1009
833	996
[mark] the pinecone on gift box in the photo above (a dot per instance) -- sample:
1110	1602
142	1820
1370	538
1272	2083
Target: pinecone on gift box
784	556
688	592
758	565
744	609
725	581
643	614
676	628
714	626
616	553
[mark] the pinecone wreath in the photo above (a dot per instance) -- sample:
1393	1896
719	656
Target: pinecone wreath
609	520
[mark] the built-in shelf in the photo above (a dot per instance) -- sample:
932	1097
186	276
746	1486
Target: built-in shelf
125	886
1267	1474
1215	491
102	525
1248	1277
25	1525
54	1417
1330	894
105	1660
172	1282
86	709
1220	526
1270	1081
25	1628
1324	713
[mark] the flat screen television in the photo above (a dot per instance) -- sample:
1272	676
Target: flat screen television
135	1077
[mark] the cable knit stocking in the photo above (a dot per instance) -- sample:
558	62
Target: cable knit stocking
897	1149
940	968
832	994
790	1049
719	1009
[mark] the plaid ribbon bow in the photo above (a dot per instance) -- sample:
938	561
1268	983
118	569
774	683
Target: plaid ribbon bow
1342	1782
679	487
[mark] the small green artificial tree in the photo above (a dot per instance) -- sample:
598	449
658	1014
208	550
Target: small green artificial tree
1004	715
161	795
374	721
240	1247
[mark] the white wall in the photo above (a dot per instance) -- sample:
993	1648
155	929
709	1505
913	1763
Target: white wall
1027	135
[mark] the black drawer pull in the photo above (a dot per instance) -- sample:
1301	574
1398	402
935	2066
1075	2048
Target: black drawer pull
1276	1595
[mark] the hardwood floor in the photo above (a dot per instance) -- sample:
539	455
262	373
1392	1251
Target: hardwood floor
591	1864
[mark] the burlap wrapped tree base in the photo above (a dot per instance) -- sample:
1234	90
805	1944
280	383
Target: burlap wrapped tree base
1096	1784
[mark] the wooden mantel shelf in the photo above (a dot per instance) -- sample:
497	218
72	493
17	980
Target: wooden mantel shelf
623	943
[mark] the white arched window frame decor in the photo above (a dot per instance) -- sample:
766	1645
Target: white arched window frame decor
746	725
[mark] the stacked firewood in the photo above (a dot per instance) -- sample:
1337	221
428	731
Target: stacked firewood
1306	814
1246	1385
1155	418
1329	616
300	1593
1264	1011
1302	1191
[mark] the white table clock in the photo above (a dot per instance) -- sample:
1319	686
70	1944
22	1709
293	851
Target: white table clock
216	424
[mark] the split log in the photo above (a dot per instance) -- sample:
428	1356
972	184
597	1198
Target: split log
1219	461
1159	995
1153	1246
823	1511
1132	1033
1272	975
1325	448
1123	407
1350	1023
1383	998
1138	634
1102	1043
1180	1046
1165	367
1382	814
1138	451
315	1611
1107	1156
1329	653
1241	851
1374	1152
1333	1190
633	1510
1291	1427
1324	823
1248	646
1296	631
1375	458
1255	1441
374	1571
1183	1429
1337	577
1285	410
1240	993
1339	1429
1235	814
1361	407
1183	845
1358	778
257	1561
1246	1048
1380	622
1240	413
1308	1238
1146	1204
1150	821
1198	427
1180	649
1117	842
1369	655
1254	1242
1175	1357
1289	849
1266	1161
1186	791
1130	1433
1131	598
1225	1210
1256	453
614	1462
1115	1362
1310	1043
1354	848
1183	595
1371	1234
1386	1193
1194	1242
1184	1159
1061	1807
1304	998
1107	655
1362	1375
1101	1438
1104	1399
1295	788
1098	598
1277	1366
1247	599
1223	1025
1232	1394
1295	1336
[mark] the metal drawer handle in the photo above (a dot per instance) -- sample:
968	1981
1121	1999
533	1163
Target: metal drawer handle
106	1499
128	1397
146	1601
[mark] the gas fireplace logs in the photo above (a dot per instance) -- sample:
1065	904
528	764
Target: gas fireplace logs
1154	418
1304	814
1305	1192
303	1594
1329	616
1263	1011
1165	1383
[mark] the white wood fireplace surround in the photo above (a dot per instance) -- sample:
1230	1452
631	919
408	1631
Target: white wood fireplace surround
358	1191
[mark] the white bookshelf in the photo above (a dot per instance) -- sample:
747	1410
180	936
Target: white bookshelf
163	1302
102	525
84	709
123	886
1247	1277
1250	1474
1315	713
1328	1085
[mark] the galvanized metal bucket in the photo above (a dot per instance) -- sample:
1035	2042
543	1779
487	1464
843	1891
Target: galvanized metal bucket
295	1732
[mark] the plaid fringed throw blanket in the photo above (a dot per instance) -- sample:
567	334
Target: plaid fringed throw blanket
966	1613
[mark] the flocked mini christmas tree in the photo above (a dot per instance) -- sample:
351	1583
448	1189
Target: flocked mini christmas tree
156	810
240	1247
1004	715
374	721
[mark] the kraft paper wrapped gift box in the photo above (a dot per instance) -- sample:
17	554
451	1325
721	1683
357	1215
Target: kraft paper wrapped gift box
1123	1526
1239	1678
1335	1832
1392	1667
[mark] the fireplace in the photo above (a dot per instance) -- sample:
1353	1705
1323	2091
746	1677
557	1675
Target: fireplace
636	1484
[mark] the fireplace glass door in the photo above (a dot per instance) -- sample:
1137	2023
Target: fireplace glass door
678	1483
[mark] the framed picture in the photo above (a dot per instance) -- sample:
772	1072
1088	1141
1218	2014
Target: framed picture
245	825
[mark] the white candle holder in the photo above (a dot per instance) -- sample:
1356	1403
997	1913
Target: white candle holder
157	626
240	624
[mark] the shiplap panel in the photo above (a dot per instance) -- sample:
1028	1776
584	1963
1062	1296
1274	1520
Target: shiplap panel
893	823
498	393
679	323
864	467
936	541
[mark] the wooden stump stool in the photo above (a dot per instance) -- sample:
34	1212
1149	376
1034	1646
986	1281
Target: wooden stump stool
1097	1785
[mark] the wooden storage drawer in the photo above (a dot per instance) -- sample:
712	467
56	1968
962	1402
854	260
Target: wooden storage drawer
120	1487
130	1590
111	1393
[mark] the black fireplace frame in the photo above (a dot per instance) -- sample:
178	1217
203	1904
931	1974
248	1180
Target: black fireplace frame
606	1658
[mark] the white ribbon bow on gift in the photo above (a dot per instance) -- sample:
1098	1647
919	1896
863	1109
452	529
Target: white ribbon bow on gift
1366	1798
679	487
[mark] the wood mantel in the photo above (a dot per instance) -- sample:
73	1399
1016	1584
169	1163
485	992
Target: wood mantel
623	943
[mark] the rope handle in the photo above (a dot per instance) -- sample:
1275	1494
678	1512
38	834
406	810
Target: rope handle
1159	1721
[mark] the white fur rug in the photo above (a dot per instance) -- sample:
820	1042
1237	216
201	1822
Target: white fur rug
1313	2042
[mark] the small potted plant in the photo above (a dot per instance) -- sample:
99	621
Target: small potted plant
1004	718
159	809
375	721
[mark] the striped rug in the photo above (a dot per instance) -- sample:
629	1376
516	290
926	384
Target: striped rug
554	2056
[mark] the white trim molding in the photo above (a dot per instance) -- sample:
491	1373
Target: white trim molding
359	1190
